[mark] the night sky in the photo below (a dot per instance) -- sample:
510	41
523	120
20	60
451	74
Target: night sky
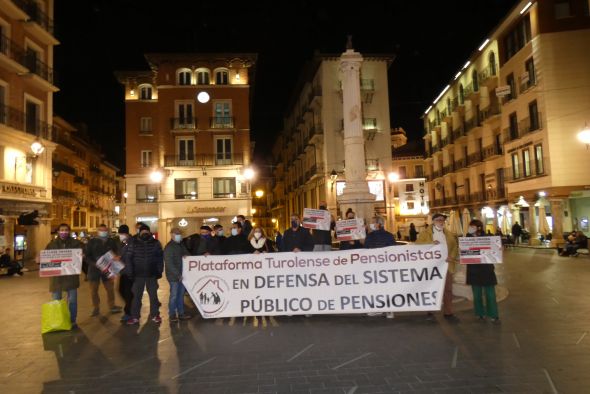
431	40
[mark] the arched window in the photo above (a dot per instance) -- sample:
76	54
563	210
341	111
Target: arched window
492	61
183	76
221	76
145	92
203	76
475	80
461	94
449	107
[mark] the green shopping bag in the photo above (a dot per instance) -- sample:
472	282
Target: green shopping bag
55	316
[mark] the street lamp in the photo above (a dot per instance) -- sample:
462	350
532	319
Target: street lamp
584	135
249	174
156	176
393	177
333	177
259	193
37	147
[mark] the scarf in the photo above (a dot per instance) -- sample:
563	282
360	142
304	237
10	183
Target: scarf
258	244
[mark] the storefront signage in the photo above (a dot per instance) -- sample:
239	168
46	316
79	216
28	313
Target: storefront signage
205	209
182	222
11	188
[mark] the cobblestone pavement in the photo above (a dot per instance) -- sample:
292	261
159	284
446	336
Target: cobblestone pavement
540	347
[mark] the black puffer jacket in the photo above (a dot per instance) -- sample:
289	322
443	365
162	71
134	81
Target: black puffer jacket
144	258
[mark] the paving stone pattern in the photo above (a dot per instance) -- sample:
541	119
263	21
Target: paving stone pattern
540	347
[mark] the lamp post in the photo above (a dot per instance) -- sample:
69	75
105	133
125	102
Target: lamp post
392	178
584	136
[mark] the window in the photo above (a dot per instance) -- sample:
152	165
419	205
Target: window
184	116
224	187
145	125
513	126
562	9
145	92
221	77
539	168
223	151
517	38
186	151
146	193
510	82
449	109
32	117
402	172
498	144
419	169
185	189
515	166
409	187
184	76
530	68
526	162
222	115
146	158
492	63
33	59
586	6
410	204
461	94
534	116
2	104
202	77
475	80
79	218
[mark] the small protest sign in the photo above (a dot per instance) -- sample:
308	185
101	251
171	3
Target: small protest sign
60	262
317	219
480	250
350	230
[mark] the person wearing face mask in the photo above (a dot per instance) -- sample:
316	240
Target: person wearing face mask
355	244
246	225
483	281
439	235
95	249
217	239
173	253
322	239
145	262
66	283
259	242
378	237
125	280
296	238
237	243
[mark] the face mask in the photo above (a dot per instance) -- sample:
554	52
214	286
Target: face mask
220	233
145	236
103	234
137	231
350	217
373	226
205	235
323	207
294	223
257	235
472	230
234	231
64	234
439	226
177	238
123	237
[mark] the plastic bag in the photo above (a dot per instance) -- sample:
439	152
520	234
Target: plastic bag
55	316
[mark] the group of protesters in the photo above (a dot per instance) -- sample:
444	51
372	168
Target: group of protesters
145	261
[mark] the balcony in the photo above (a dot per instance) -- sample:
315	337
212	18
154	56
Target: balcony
448	140
525	126
372	164
16	119
459	164
495	193
524	86
458	132
39	23
57	192
79	180
315	134
471	124
203	160
182	124
450	168
12	56
40	73
476	197
14	8
474	158
488	113
436	174
488	75
491	151
221	122
526	170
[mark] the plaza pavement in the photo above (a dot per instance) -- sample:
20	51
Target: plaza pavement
540	347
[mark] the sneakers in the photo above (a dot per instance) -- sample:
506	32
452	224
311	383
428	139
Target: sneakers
389	315
132	321
481	319
173	319
157	319
116	309
184	316
94	313
495	321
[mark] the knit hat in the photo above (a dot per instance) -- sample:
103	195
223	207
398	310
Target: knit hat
144	227
123	229
438	215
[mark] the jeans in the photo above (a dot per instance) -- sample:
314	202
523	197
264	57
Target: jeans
126	291
176	302
151	284
72	301
109	286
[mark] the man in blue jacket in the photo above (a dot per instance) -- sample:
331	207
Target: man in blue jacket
145	261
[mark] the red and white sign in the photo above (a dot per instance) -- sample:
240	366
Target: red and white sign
350	230
480	250
317	219
60	262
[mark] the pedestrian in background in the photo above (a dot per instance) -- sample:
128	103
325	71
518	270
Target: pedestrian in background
378	237
354	244
173	254
483	281
125	279
237	243
413	233
246	225
217	240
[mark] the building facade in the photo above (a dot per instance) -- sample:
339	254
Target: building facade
26	104
309	153
188	140
501	136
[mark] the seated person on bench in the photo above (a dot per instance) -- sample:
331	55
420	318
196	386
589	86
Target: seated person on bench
575	241
6	262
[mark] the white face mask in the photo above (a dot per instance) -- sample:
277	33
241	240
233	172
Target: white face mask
373	226
257	235
178	238
234	231
103	234
472	230
220	233
439	226
123	237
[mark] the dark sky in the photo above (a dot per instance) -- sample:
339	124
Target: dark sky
432	40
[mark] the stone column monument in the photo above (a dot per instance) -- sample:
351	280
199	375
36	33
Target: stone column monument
356	193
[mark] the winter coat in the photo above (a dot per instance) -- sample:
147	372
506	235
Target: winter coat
66	282
413	234
173	253
347	245
95	249
379	239
426	237
237	244
300	239
481	274
144	258
196	245
265	248
321	237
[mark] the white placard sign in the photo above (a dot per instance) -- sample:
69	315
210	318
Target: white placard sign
317	219
396	278
350	230
480	250
60	262
502	91
108	265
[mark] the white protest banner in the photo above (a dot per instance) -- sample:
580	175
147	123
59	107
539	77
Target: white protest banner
108	265
59	262
480	250
396	278
350	230
317	219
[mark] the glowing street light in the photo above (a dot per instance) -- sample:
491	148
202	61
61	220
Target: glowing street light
156	176
37	148
584	135
393	177
259	193
249	174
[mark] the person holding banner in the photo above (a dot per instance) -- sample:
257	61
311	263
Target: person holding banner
66	283
482	278
125	280
296	238
322	239
353	244
439	235
259	242
173	253
237	243
217	240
